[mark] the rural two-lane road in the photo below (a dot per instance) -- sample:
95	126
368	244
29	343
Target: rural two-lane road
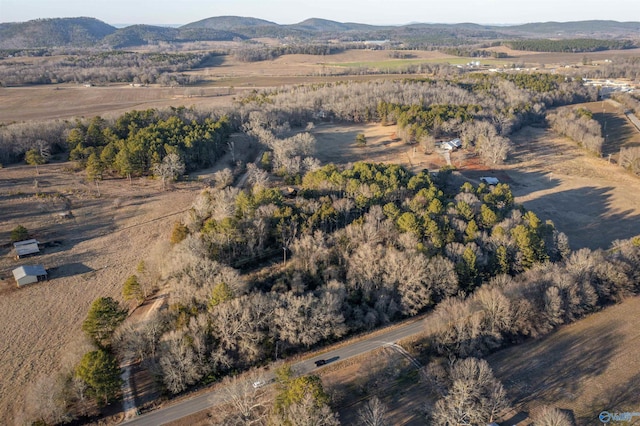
201	402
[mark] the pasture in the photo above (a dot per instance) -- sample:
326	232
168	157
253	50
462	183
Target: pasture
587	367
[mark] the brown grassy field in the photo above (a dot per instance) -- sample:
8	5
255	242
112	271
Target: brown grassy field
225	78
592	201
96	249
587	367
100	246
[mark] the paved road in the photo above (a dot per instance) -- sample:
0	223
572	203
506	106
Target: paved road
193	405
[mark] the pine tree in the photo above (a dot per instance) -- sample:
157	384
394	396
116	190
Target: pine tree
132	290
220	294
94	170
34	158
100	371
104	316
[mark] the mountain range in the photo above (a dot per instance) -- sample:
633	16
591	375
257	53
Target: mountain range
91	32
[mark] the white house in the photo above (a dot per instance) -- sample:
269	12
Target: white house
451	145
29	274
456	143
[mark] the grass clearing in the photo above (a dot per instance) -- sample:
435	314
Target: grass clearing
587	367
395	64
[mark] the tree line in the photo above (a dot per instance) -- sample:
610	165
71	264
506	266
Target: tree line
578	125
569	45
264	53
531	304
136	141
104	67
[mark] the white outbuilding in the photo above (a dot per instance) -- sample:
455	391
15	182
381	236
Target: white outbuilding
489	180
29	274
26	248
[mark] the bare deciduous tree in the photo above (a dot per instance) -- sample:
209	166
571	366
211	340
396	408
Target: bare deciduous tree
181	359
475	396
46	400
170	168
248	400
630	159
494	149
373	413
223	178
550	416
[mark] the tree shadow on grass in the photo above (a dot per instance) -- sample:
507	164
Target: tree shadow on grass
553	368
616	130
620	398
586	215
69	270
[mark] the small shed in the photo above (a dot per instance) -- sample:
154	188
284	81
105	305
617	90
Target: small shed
489	180
29	274
26	248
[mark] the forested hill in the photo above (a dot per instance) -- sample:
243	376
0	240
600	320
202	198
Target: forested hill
53	32
82	32
594	28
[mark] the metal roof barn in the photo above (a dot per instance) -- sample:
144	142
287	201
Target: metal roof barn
26	248
29	274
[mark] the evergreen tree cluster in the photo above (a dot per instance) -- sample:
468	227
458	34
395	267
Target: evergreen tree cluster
137	140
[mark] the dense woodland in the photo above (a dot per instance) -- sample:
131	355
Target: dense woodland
137	140
104	67
570	45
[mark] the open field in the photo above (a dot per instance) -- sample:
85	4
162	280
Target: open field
99	246
95	250
587	367
66	101
592	201
336	144
225	78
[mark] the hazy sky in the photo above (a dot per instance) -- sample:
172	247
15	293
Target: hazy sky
292	11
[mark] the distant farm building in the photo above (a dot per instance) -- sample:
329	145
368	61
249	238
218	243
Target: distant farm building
26	248
451	145
29	274
490	180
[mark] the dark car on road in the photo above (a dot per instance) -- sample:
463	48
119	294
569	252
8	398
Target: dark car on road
321	362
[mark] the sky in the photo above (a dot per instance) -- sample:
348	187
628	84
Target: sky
375	12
